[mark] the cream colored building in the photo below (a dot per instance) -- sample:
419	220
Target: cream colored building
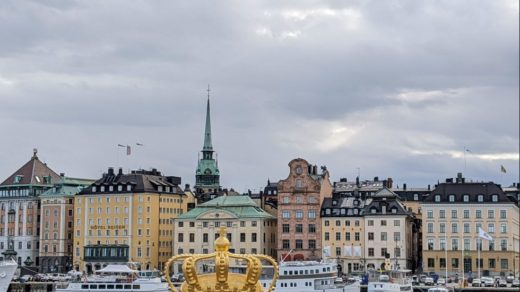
250	229
452	216
343	232
125	218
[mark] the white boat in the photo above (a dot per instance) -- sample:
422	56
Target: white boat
306	276
439	289
390	281
7	270
117	278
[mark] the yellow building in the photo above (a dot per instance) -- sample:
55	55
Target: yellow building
125	218
452	217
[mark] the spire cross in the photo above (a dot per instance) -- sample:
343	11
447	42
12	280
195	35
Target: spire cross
208	91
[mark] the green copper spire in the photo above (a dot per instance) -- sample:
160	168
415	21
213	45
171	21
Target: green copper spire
207	131
207	176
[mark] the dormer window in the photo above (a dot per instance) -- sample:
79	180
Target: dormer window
452	198
373	210
18	179
416	197
159	188
299	184
102	188
110	188
94	189
465	198
119	188
437	198
128	188
480	198
47	179
394	210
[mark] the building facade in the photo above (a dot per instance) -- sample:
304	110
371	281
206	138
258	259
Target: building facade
57	220
300	196
250	229
343	232
20	212
452	216
388	232
125	218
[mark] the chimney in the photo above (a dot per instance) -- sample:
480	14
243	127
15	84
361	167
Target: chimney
315	169
404	187
62	174
187	187
110	171
309	168
449	180
334	184
343	179
376	178
385	183
120	171
429	187
390	183
357	181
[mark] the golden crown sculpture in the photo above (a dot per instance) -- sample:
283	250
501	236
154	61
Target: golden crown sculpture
221	280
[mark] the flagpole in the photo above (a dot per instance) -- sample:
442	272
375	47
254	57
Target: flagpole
462	262
478	249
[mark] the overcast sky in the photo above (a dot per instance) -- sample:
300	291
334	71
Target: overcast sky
395	88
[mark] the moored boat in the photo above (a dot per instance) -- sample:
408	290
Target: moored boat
7	269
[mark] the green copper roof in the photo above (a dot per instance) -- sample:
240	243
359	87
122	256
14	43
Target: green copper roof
241	206
68	187
207	131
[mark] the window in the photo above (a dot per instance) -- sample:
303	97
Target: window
326	222
480	198
442	262
299	243
299	200
453	213
397	223
443	243
338	223
371	236
503	228
454	228
205	237
478	213
492	263
437	198
286	214
430	244
299	214
243	237
180	237
430	214
466	228
285	200
467	244
503	244
285	228
312	214
383	222
370	222
312	244
466	214
383	251
491	214
312	228
430	227
338	236
383	236
397	236
356	236
452	198
338	251
465	198
347	236
431	263
442	214
503	214
299	183
454	244
299	228
370	251
442	228
454	263
356	223
253	237
494	198
491	227
504	264
491	245
327	236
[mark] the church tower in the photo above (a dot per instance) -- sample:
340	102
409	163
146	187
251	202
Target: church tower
207	177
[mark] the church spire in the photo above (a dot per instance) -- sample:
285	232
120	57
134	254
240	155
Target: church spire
207	131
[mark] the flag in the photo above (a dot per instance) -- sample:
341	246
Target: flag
326	252
347	250
484	234
502	169
128	150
